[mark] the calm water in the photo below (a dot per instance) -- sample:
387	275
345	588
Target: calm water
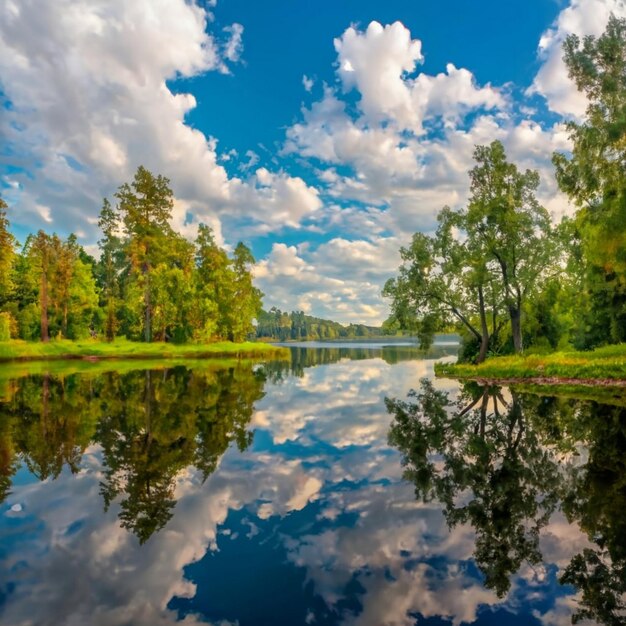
292	494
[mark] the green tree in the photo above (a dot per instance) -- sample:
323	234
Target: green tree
594	178
146	208
245	298
507	225
41	253
110	267
8	255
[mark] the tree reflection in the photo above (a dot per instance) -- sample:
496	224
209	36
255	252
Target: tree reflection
498	464
493	474
151	426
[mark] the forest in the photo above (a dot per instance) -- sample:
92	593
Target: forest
149	283
500	269
297	326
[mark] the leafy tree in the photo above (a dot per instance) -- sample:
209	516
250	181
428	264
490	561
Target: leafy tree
8	247
245	298
593	176
212	285
146	208
41	253
443	279
509	226
110	267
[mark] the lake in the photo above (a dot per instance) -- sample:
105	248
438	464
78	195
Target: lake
319	491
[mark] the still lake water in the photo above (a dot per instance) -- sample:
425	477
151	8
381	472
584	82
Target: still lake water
293	494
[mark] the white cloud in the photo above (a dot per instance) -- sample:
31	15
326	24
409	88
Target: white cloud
329	281
90	101
581	17
380	63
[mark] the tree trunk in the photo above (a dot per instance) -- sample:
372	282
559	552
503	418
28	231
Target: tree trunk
484	329
516	328
148	303
44	305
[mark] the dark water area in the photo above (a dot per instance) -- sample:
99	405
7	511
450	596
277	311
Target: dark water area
321	491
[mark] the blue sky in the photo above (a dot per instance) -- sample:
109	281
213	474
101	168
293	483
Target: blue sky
322	135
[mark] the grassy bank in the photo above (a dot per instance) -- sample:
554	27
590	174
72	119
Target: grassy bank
605	365
122	349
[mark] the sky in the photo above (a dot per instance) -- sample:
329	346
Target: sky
323	135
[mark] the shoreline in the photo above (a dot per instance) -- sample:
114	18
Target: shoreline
95	351
602	367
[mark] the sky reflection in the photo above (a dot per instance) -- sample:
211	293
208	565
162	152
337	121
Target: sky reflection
311	524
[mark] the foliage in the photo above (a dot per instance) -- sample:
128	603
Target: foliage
297	326
594	178
482	263
149	283
607	363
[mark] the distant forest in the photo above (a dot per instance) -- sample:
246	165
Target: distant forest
296	326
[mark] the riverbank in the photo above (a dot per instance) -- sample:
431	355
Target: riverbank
16	350
603	366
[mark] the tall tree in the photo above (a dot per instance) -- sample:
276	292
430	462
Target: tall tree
109	267
41	252
7	255
146	208
509	226
245	303
594	177
212	265
445	279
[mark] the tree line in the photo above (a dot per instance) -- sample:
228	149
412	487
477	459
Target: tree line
297	326
500	269
150	283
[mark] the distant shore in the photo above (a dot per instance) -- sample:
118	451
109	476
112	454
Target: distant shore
603	366
17	350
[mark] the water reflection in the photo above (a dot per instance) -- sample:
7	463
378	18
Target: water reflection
505	465
151	425
268	495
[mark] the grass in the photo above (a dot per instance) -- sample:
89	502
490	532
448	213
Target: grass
16	350
604	365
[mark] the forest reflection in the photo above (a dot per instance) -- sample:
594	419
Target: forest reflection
150	424
504	462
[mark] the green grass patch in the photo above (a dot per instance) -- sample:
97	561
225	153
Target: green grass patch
16	350
603	364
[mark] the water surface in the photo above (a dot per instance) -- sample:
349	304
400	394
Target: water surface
288	494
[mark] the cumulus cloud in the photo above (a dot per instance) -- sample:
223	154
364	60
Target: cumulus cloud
88	100
328	281
581	17
380	63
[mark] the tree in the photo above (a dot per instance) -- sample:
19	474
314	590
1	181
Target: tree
7	256
593	176
146	208
109	267
245	298
443	279
507	224
212	284
41	252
